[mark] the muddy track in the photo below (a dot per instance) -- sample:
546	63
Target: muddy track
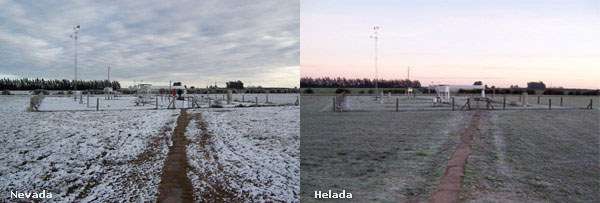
175	186
450	183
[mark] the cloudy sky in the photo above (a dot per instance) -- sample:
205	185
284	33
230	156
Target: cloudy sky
195	42
455	42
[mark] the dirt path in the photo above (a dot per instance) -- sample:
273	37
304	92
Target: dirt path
450	183
175	185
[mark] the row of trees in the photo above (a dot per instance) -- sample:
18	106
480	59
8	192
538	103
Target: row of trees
327	82
56	84
235	84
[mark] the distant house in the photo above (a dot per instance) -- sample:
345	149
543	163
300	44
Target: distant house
536	85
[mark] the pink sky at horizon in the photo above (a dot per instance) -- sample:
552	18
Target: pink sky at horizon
501	44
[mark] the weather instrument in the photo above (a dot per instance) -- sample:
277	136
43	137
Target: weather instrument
374	36
74	36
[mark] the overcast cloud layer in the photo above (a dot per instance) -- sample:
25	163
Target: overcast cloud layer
196	42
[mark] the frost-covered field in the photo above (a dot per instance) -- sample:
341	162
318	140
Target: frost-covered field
104	156
425	102
245	153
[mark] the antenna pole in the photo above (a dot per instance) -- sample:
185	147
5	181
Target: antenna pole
75	31
376	30
109	84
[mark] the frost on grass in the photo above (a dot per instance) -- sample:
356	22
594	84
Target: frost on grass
245	153
105	156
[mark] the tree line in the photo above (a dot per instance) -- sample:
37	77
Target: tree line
55	84
327	82
235	84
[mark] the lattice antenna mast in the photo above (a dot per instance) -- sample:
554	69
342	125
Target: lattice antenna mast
109	83
75	31
375	31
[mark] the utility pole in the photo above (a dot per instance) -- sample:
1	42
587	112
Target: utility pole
109	84
75	31
376	29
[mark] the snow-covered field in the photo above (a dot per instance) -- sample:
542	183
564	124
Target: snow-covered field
104	156
249	154
65	103
262	98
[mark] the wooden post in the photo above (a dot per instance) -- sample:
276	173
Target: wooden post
334	104
538	99
97	103
549	103
243	98
590	106
256	100
88	100
469	103
452	103
504	102
487	105
561	99
267	98
156	98
397	100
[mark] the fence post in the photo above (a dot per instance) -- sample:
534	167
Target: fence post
538	99
397	100
97	103
452	103
549	103
561	101
333	103
243	98
469	103
256	100
88	100
504	102
267	98
156	98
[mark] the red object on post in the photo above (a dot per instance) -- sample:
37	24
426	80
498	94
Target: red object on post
174	92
